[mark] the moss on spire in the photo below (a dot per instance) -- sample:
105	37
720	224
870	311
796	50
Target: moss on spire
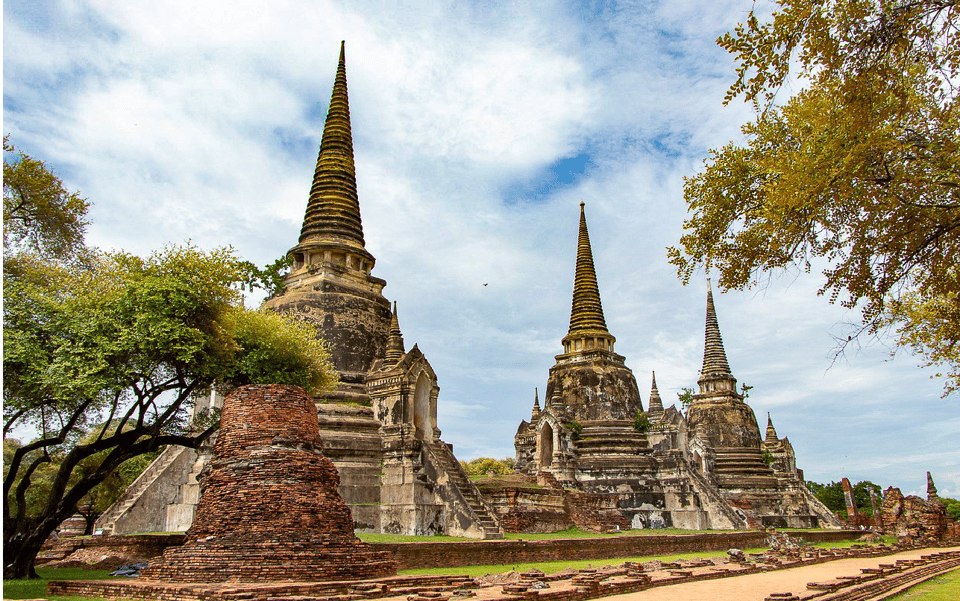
586	312
714	356
333	210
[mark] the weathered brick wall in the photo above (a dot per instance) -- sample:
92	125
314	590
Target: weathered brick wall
912	517
269	507
470	553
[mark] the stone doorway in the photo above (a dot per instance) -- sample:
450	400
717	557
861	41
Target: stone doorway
421	408
545	444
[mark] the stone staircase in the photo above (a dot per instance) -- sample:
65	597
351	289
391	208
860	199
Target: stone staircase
351	440
723	516
484	515
742	468
108	520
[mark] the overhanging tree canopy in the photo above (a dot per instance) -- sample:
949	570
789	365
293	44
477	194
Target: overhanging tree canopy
859	170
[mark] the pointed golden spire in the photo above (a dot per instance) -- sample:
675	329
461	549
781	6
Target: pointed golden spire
394	351
771	431
333	210
715	375
714	356
655	407
586	314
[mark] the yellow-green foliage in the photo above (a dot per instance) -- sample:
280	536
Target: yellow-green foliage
278	349
485	465
39	214
126	341
856	174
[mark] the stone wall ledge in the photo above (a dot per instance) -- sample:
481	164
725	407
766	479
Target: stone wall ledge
498	552
427	554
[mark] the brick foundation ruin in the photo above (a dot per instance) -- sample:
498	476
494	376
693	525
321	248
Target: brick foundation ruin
269	507
914	519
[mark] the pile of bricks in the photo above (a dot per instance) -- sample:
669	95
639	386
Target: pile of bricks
269	507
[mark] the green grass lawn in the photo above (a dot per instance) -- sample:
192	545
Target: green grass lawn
945	587
368	537
37	589
550	567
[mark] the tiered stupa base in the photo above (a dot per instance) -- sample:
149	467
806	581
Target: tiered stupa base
269	507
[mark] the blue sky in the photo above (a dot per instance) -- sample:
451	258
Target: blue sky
478	129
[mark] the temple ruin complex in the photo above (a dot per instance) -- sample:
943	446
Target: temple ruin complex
705	467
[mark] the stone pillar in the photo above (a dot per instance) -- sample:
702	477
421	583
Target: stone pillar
852	517
877	515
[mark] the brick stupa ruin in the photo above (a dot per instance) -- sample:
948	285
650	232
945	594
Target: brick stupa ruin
269	507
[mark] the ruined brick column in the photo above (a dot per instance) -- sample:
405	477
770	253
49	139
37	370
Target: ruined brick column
269	507
853	516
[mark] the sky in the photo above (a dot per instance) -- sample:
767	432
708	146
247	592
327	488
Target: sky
478	129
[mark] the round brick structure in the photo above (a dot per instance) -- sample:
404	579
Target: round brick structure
269	507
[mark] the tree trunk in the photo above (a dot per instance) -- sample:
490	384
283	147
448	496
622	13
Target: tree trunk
21	547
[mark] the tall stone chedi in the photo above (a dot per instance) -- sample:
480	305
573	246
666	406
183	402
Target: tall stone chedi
702	469
269	507
725	446
584	436
720	420
330	283
380	424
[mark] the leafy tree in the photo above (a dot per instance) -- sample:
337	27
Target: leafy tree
485	465
641	423
857	173
861	496
832	496
576	429
685	396
953	507
270	278
124	341
39	214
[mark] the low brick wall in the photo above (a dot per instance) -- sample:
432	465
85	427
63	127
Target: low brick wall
498	552
136	547
494	552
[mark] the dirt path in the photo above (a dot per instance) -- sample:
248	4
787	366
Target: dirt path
756	587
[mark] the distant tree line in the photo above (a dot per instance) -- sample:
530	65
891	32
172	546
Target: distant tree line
831	495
